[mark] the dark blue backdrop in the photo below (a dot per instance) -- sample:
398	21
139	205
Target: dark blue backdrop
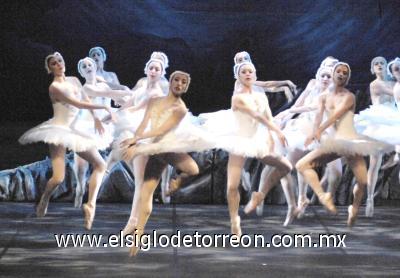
287	40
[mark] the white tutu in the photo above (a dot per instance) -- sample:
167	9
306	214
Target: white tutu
68	137
346	141
186	137
60	131
238	133
377	114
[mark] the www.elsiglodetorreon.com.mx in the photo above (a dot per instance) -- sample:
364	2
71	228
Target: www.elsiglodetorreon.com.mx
195	239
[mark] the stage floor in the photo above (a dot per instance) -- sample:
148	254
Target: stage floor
28	247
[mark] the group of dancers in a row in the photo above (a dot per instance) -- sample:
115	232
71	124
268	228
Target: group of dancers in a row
153	130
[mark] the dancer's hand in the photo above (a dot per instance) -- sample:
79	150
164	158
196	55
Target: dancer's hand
317	135
129	153
98	126
127	143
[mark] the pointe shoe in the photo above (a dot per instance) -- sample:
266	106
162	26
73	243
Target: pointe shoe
130	227
174	185
291	215
235	227
256	199
89	216
41	208
352	216
369	210
137	242
327	201
246	180
302	205
260	209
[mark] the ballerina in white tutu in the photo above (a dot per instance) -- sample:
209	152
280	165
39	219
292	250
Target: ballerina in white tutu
241	134
60	134
165	116
382	112
99	93
339	104
128	118
297	130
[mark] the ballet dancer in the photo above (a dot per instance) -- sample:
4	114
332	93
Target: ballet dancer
59	133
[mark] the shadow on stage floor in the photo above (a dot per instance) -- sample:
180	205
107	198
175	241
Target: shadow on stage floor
28	247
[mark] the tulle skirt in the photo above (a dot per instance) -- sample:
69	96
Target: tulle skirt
66	136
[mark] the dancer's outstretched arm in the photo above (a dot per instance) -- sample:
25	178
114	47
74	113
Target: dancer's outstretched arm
95	91
274	84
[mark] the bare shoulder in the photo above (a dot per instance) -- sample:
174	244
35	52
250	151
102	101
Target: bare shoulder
180	108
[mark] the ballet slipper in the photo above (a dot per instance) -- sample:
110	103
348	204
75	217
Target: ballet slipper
327	201
130	226
137	242
235	227
88	213
256	199
369	210
352	216
302	205
291	215
41	208
174	185
260	209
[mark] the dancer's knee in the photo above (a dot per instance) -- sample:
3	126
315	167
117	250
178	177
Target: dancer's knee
100	166
302	165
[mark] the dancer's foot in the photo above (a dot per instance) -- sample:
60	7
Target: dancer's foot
302	205
352	215
235	227
130	226
137	242
260	209
392	161
256	199
327	200
246	183
291	215
174	185
88	213
369	210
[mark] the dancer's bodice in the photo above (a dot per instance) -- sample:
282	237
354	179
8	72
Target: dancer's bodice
64	113
245	124
344	127
381	98
311	101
